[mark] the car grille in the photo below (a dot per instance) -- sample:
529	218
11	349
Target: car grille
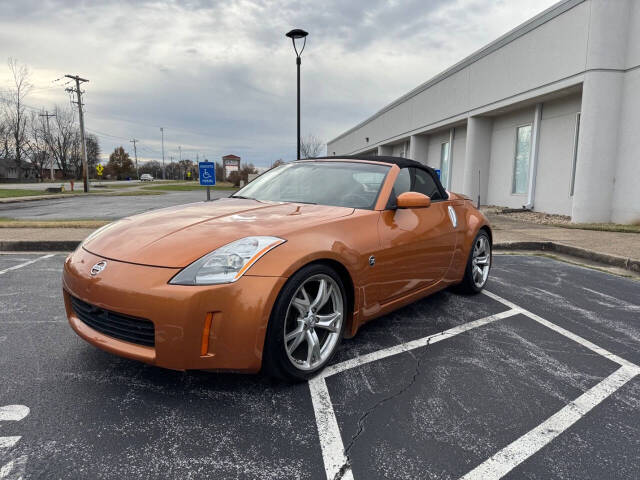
116	325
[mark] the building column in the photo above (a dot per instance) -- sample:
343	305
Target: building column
597	147
418	148
533	157
477	158
385	150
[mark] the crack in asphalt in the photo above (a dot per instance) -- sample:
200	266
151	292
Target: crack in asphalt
361	421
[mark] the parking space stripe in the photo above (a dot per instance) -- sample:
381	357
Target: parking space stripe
531	442
13	413
421	342
576	338
8	442
333	454
20	265
14	470
330	439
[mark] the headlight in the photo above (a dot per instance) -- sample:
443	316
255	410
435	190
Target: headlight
226	264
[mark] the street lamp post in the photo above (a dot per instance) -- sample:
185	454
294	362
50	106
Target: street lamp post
297	34
162	133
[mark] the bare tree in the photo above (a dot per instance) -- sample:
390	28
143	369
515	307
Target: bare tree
63	137
311	146
38	144
4	137
14	112
152	167
93	154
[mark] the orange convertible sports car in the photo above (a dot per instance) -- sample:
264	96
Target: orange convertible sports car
276	275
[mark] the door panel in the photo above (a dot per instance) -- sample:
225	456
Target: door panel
416	247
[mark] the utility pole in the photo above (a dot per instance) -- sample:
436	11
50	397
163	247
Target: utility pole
47	115
171	158
85	169
135	152
162	133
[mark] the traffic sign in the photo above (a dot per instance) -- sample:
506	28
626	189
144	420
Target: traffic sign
207	172
99	169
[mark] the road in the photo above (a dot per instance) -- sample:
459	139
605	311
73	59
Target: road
493	395
100	206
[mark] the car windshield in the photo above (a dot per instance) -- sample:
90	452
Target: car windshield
342	184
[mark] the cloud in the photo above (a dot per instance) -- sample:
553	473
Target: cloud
220	75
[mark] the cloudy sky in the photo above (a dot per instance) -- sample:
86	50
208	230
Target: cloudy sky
219	76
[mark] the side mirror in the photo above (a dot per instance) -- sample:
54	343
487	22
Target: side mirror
413	200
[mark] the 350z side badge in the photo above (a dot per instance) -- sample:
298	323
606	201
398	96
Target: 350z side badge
98	267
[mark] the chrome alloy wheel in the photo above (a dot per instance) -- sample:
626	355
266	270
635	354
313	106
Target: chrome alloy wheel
481	261
314	322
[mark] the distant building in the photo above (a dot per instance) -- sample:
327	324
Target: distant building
546	116
230	163
9	171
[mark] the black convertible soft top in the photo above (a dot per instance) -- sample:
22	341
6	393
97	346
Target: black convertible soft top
401	162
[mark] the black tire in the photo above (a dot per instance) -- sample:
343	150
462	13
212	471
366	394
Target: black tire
468	284
275	360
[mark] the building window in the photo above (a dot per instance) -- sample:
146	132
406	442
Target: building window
445	164
521	162
575	154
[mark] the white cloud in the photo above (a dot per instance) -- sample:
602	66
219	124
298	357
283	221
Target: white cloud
220	75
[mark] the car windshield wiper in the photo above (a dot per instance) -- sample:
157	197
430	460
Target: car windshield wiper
243	197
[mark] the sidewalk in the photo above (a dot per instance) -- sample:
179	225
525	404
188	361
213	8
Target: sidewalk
610	248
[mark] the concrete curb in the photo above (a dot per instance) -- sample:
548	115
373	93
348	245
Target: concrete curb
604	258
35	198
38	245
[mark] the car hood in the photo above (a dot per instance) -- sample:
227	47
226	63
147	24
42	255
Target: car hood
176	236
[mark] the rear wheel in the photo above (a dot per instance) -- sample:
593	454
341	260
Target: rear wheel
306	324
478	265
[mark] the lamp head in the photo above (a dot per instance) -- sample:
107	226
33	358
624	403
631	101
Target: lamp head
296	33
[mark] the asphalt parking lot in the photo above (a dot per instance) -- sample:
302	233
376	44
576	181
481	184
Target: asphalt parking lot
537	379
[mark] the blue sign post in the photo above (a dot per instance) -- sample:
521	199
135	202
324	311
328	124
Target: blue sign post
207	176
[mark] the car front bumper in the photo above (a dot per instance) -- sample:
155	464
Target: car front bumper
240	313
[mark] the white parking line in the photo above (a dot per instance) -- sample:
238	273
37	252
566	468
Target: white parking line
20	265
13	413
334	456
13	469
421	342
576	338
333	452
524	447
8	442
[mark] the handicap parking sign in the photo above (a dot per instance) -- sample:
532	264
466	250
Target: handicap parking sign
207	173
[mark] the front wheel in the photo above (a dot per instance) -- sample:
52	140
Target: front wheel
478	265
306	324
